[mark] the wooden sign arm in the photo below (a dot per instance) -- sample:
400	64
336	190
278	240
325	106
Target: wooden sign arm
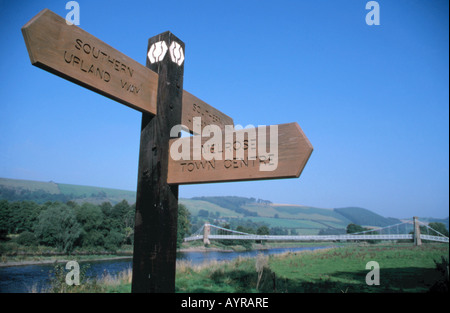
73	54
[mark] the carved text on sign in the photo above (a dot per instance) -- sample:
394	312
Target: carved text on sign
245	154
72	53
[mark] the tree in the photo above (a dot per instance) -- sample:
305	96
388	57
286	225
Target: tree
263	230
440	227
354	228
90	217
72	204
23	215
27	239
57	226
120	210
113	240
6	224
246	229
106	208
184	225
123	214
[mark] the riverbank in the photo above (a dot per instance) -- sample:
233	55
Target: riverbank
23	258
14	254
63	260
403	268
94	274
218	247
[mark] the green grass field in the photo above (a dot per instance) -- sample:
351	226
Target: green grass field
194	206
403	268
303	227
297	212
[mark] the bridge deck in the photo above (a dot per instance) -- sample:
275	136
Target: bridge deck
319	237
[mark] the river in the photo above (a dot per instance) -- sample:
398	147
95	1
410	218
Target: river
21	279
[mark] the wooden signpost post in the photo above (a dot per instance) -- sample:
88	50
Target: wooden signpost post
157	91
155	231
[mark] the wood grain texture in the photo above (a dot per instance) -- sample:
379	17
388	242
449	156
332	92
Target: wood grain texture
294	150
155	234
73	54
195	107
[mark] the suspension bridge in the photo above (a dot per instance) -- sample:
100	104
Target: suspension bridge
409	230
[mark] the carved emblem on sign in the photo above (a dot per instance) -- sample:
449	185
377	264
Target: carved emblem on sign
176	53
157	51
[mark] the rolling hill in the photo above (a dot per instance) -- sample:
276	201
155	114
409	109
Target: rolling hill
40	192
231	209
362	216
299	218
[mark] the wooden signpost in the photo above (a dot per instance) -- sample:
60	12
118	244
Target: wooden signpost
279	151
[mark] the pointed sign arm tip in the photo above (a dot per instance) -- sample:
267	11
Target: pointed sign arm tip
306	147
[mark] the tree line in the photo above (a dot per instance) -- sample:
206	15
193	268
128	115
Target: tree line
67	226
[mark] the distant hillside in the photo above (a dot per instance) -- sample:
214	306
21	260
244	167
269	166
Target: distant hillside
230	209
435	220
40	192
232	203
293	218
362	216
23	186
302	219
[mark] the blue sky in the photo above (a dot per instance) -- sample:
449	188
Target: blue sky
373	100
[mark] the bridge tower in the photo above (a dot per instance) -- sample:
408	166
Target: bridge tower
417	240
206	233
